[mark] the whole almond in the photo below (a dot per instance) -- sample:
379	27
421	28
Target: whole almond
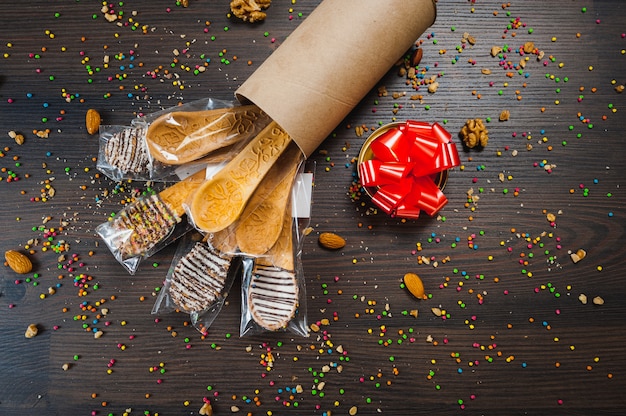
416	57
414	284
18	262
92	121
331	241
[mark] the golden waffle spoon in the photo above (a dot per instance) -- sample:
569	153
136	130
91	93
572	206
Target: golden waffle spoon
219	201
262	220
183	136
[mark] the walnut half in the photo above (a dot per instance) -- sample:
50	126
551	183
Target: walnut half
250	10
474	133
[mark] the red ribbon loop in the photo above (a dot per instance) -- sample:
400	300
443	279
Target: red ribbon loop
406	161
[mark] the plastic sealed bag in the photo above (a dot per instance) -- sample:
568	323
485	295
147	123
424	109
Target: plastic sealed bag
153	146
273	288
257	225
149	223
188	132
198	281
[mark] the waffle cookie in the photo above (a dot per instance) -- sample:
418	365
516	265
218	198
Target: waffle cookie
219	201
199	277
148	221
183	136
126	151
272	296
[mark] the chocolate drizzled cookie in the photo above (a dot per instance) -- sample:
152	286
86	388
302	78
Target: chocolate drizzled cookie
199	277
127	152
272	296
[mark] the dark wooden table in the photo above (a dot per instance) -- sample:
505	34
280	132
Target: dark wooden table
514	337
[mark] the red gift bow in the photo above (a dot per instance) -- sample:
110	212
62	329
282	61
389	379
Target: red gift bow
406	161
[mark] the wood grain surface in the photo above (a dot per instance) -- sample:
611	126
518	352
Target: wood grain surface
514	338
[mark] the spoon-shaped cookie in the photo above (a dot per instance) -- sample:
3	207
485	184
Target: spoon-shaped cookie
262	220
183	136
219	201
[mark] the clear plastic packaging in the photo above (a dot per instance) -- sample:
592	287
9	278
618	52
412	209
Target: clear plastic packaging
204	262
153	146
198	281
273	287
141	229
149	223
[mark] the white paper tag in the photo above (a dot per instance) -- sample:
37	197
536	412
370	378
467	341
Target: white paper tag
301	195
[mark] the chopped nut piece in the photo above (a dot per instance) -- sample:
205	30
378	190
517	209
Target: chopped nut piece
529	47
436	311
619	88
504	115
485	71
495	50
550	217
31	331
206	409
598	301
578	256
110	17
582	298
432	88
467	38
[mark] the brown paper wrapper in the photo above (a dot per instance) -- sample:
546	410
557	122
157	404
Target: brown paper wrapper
331	61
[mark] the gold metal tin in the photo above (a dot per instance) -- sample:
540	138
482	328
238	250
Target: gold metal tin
366	153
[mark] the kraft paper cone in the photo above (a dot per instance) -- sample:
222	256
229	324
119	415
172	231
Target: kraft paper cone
331	61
